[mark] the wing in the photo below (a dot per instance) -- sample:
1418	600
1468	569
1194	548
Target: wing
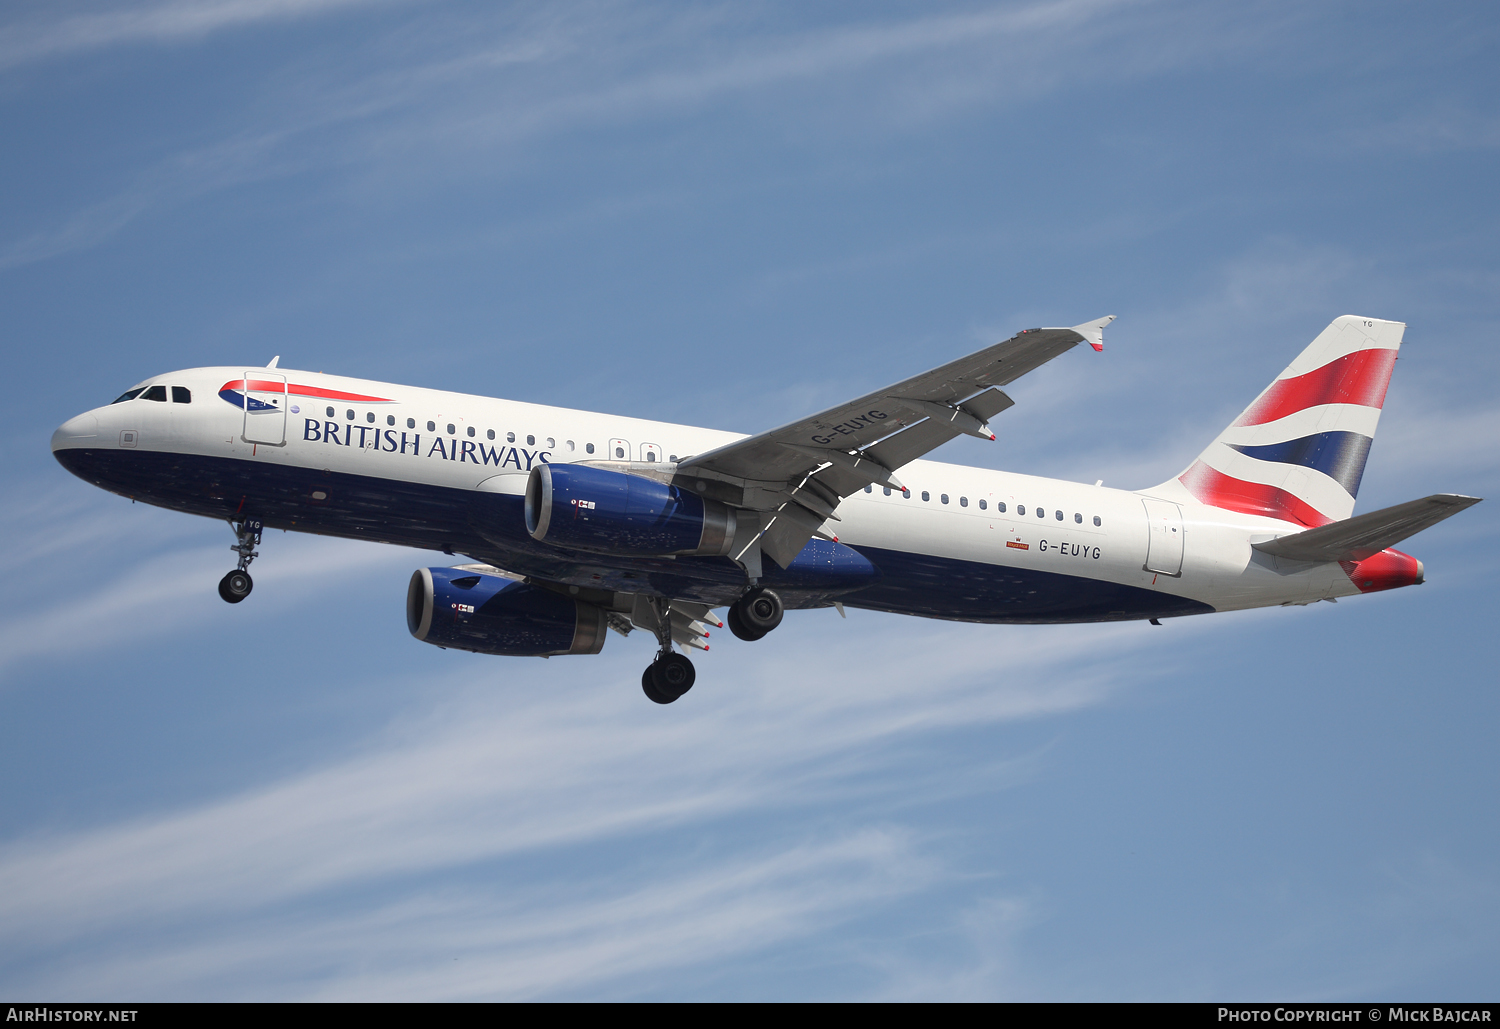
791	479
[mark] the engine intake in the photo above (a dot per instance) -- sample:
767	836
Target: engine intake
490	614
610	512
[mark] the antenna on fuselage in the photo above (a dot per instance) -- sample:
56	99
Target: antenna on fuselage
273	361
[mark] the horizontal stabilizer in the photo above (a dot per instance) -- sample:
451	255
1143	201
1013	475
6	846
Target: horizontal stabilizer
1357	538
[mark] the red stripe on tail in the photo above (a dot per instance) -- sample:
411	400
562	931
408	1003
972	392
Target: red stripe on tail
1358	378
1216	489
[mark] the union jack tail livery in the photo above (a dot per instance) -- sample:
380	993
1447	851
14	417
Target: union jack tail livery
1298	451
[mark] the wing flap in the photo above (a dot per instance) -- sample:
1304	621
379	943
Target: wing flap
987	404
1357	538
906	447
790	529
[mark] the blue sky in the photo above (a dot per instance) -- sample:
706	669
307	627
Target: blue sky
731	215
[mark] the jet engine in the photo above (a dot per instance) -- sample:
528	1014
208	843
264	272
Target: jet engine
490	614
598	509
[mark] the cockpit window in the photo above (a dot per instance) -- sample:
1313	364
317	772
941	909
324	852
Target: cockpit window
129	394
182	395
157	393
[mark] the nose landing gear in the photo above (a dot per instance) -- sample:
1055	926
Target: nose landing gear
755	614
671	674
236	585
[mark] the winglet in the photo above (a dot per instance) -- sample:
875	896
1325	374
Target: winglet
1093	331
273	361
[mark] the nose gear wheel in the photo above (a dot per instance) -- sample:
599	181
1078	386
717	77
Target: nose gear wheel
236	585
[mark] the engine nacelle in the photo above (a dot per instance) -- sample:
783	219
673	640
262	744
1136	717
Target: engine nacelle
610	512
490	614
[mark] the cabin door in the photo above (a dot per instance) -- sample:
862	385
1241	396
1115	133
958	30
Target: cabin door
1164	545
265	408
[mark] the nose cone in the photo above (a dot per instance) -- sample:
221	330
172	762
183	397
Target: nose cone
82	431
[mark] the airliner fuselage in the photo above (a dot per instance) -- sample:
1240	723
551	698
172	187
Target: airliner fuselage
309	452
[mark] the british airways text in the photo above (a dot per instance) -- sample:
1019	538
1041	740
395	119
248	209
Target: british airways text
392	441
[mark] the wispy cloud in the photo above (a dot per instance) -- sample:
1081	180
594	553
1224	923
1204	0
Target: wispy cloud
161	592
474	88
39	39
494	778
624	932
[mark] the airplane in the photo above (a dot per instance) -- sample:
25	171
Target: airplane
572	524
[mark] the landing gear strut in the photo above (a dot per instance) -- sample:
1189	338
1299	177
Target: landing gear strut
671	674
236	586
755	614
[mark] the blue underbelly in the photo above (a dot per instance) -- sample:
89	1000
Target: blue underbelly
490	526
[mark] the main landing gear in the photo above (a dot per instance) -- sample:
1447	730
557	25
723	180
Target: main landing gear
671	674
755	614
236	586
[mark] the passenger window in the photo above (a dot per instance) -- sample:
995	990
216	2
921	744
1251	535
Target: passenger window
349	414
370	417
1041	512
1078	518
620	453
1020	508
157	393
510	437
330	412
411	423
1059	514
451	429
531	441
471	432
181	395
390	419
869	488
588	448
651	456
489	434
983	504
1001	507
944	498
431	427
670	457
906	493
1096	520
129	394
963	501
886	490
926	495
551	442
570	447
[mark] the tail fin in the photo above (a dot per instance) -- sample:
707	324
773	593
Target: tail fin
1298	452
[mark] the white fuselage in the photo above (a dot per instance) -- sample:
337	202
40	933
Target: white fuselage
416	438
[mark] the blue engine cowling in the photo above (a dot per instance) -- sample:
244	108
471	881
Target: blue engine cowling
490	614
598	509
